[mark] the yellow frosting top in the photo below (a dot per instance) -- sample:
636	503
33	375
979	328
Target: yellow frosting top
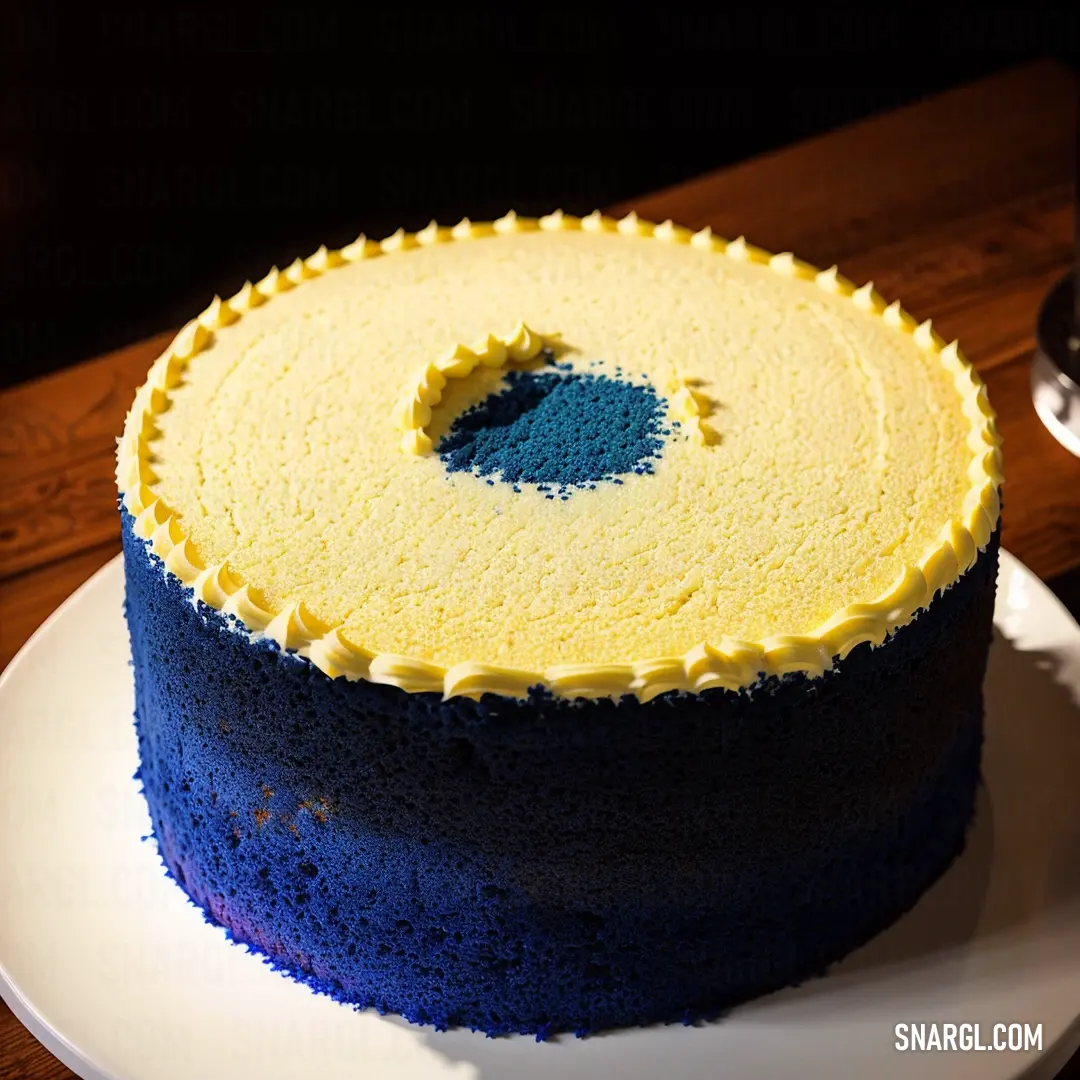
829	464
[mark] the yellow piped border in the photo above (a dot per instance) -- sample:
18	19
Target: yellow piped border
413	413
695	406
727	663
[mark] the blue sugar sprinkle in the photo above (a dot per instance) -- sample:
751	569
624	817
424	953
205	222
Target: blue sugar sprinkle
558	429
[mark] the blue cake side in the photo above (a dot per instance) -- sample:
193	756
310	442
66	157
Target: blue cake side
546	865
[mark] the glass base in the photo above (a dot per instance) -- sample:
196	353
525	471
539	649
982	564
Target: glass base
1054	390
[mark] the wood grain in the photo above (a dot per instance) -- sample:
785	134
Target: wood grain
57	441
27	599
876	182
960	205
22	1057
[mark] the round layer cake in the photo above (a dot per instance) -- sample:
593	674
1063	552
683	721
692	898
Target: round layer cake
560	624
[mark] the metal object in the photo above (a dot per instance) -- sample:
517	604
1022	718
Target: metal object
1055	372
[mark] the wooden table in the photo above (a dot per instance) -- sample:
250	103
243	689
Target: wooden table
961	205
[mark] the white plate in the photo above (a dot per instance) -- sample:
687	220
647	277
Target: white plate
106	962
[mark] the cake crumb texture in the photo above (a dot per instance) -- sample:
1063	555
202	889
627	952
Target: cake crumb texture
545	865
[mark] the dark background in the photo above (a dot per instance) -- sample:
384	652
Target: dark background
149	159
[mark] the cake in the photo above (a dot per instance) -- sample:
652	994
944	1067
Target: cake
560	624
